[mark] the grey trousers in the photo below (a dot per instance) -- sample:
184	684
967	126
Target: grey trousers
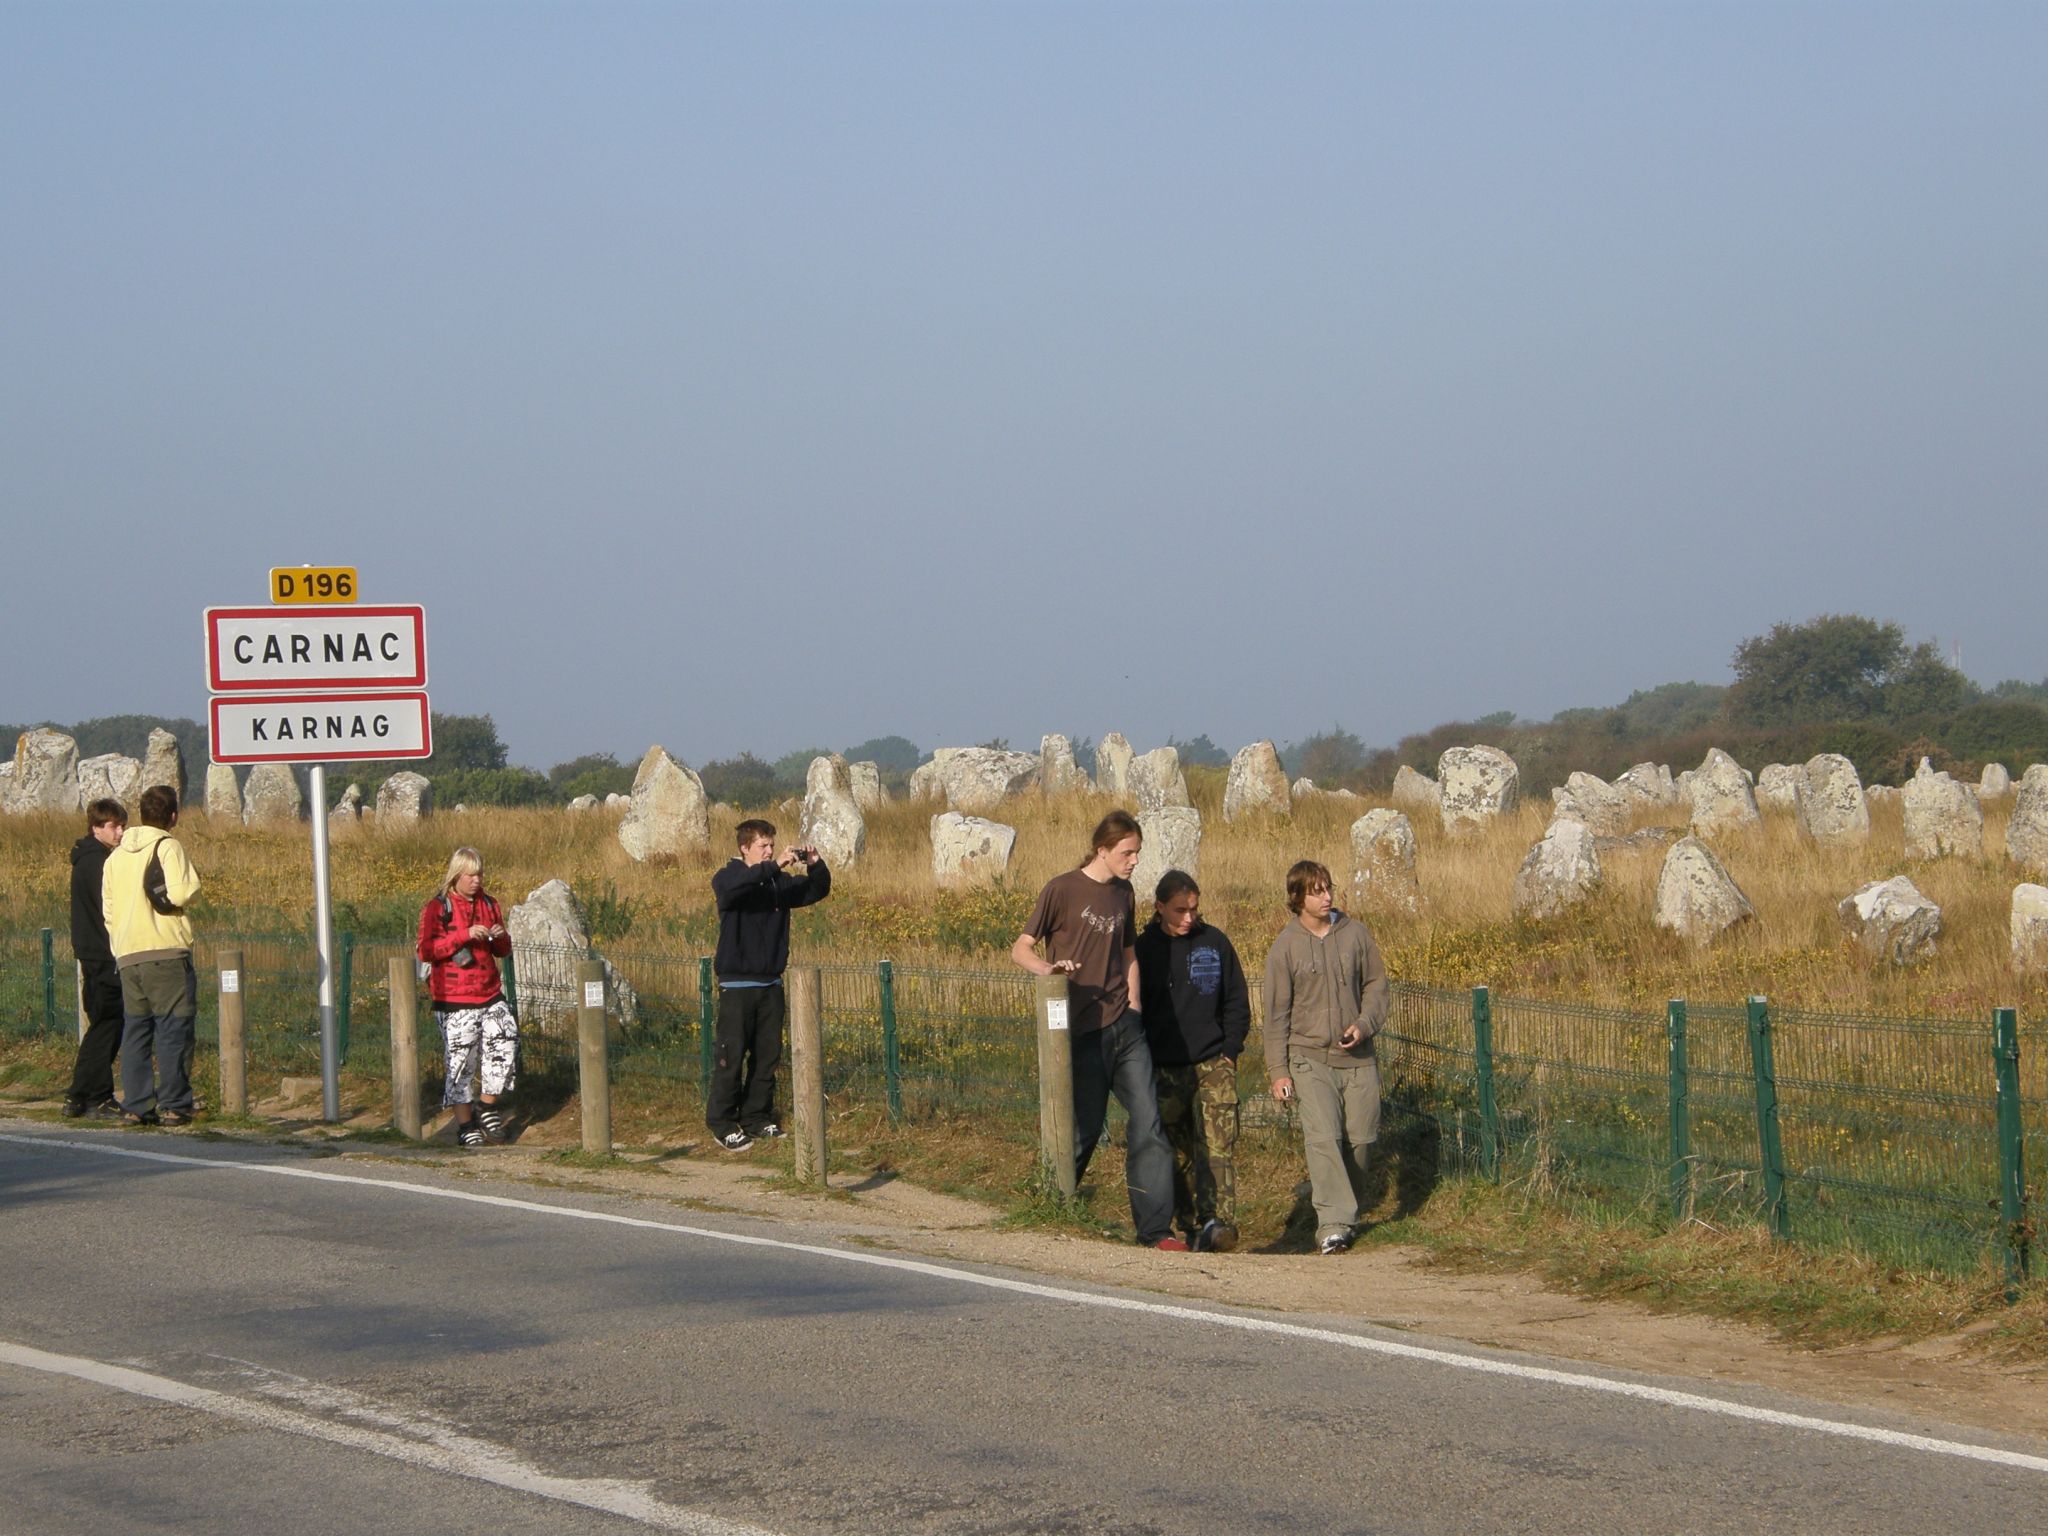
159	1003
1340	1120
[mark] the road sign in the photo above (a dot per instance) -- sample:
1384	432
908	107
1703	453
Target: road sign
319	727
313	584
278	650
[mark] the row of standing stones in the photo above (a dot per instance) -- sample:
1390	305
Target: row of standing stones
668	814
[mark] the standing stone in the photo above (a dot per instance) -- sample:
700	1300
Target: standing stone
1995	783
1891	920
163	763
669	815
550	937
1586	798
1942	816
866	779
2026	833
618	802
45	772
1155	780
1113	766
1651	783
1777	788
1416	791
2029	929
7	787
1479	784
832	822
405	796
347	810
1257	783
982	778
1881	794
584	803
223	794
1832	810
271	796
924	781
1383	862
1562	870
110	776
1722	799
1058	773
1173	840
1696	897
969	850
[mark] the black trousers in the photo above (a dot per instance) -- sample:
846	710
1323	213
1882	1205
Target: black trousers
92	1075
749	1041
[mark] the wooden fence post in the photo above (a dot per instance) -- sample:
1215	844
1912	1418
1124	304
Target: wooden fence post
807	1074
593	1059
1055	1086
405	1047
234	1054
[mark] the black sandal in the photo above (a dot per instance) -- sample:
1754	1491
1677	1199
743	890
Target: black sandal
493	1123
469	1134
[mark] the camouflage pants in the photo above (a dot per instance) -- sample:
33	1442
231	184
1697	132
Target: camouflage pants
480	1042
1198	1108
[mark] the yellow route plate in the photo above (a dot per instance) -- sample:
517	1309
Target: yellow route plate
313	584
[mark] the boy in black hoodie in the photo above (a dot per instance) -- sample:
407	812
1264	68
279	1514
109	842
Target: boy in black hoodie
755	897
1197	1009
92	1075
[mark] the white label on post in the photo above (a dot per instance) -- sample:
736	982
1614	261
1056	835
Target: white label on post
231	981
1056	1013
593	994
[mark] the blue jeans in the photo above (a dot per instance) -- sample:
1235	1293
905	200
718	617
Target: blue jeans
1117	1060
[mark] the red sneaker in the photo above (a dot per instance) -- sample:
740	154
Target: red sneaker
1170	1245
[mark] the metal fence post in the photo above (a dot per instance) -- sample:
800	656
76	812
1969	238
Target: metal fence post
345	968
1770	1149
49	982
403	984
234	1056
593	1059
1482	1061
510	971
1681	1112
2012	1143
1055	1085
707	1022
807	1074
892	1061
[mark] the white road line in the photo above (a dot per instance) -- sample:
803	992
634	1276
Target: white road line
1578	1381
459	1455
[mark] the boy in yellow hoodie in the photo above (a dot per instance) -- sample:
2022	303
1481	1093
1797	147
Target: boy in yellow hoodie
151	938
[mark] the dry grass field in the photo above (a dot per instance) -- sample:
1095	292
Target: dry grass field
1606	951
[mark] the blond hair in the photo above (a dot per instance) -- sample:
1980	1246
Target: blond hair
463	861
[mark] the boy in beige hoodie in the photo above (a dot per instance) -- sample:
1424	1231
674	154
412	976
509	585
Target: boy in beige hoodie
1326	997
151	938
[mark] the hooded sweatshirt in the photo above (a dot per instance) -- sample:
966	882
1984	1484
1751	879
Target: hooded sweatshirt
136	931
1192	995
754	903
1316	988
88	914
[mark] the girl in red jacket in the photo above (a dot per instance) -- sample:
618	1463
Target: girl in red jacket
462	936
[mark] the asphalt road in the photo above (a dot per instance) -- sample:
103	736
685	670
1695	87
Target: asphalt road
194	1341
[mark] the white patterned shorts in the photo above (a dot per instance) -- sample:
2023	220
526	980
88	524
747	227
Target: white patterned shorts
477	1040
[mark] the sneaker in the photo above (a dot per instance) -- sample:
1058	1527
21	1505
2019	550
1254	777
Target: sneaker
177	1117
735	1141
470	1134
73	1108
491	1122
769	1132
1216	1236
1169	1244
106	1109
1336	1242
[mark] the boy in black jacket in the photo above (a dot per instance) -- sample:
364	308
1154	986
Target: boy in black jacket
1197	1011
755	896
92	1073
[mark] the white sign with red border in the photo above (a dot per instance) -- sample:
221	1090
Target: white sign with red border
276	649
320	727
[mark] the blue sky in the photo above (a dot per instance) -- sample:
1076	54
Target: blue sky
773	375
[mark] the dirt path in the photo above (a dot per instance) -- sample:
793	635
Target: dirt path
1939	1379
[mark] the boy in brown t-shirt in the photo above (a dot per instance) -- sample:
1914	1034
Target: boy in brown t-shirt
1087	919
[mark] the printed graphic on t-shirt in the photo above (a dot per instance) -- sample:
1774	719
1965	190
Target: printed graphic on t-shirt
1103	922
1205	970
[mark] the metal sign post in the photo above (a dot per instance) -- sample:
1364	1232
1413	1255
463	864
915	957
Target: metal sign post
288	686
